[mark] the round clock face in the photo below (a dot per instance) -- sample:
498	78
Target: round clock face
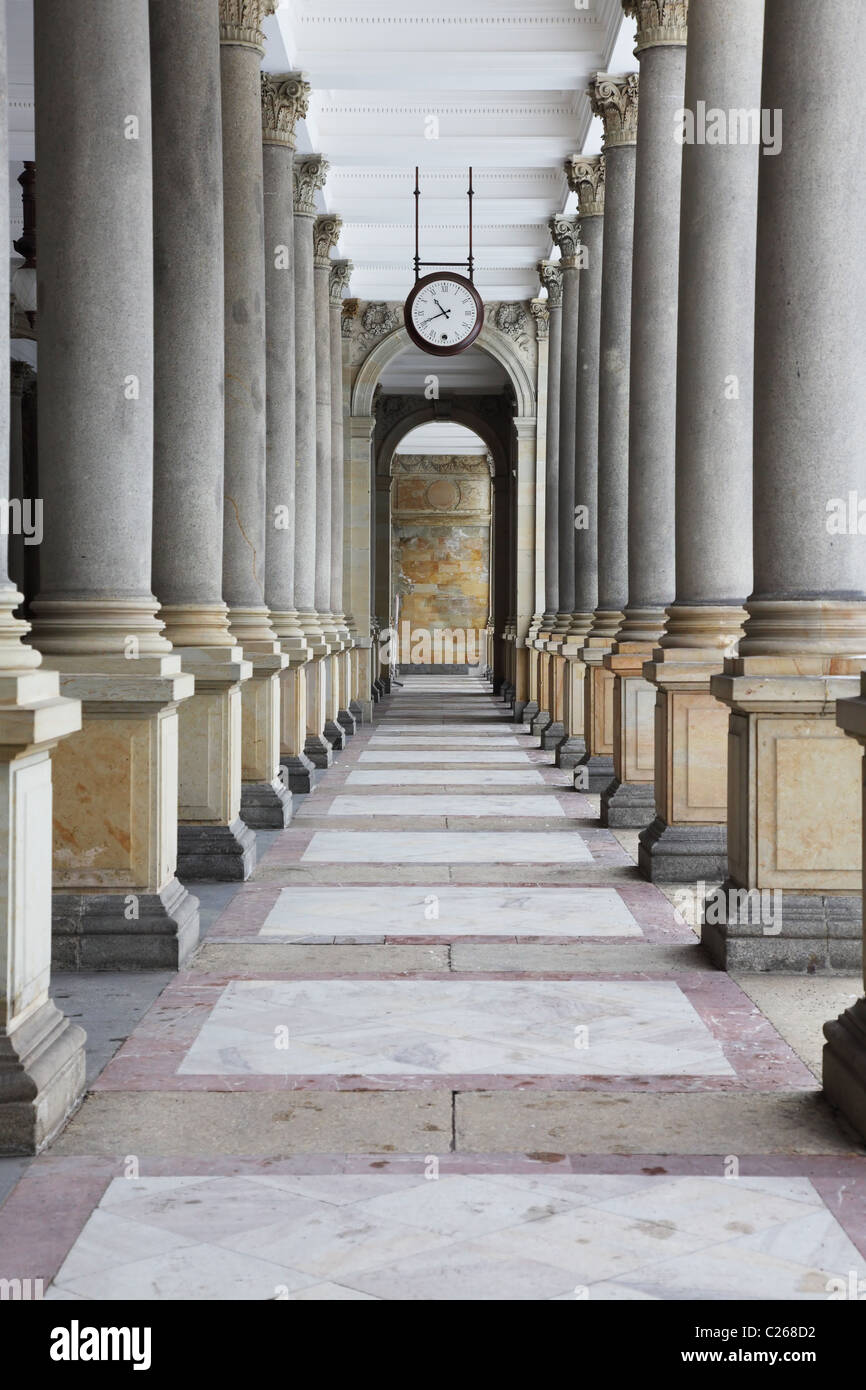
444	314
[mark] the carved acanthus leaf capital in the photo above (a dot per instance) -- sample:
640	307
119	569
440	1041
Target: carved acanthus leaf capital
585	175
285	100
615	99
541	313
659	22
326	234
564	231
310	173
241	22
349	308
341	274
550	276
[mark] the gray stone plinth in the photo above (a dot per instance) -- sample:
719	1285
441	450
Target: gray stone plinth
530	711
820	933
299	771
335	735
570	752
319	751
266	805
553	735
41	1079
518	714
844	1064
598	770
627	805
225	853
683	853
347	721
539	723
90	931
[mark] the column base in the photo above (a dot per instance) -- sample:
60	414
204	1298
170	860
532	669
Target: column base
266	805
299	772
798	933
570	752
539	723
319	751
627	805
335	735
593	773
347	721
844	1069
91	931
553	735
223	853
42	1079
519	713
530	711
683	853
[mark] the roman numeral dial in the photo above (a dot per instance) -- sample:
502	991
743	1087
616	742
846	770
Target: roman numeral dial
444	314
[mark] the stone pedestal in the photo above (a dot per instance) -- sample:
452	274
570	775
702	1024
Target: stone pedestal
554	732
266	803
627	801
317	747
594	770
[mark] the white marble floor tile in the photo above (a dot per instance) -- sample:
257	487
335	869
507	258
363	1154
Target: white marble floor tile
449	911
506	1236
445	740
446	756
447	804
448	1027
446	847
455	777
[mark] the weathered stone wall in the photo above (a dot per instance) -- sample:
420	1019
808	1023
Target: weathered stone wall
441	545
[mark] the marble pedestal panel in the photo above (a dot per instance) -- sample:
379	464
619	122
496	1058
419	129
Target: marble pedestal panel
573	746
265	802
212	840
628	800
594	770
296	768
688	838
117	902
317	747
554	733
794	819
41	1052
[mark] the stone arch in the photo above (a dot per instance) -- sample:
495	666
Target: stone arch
499	345
431	410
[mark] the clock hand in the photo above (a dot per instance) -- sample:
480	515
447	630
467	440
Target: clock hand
446	312
424	322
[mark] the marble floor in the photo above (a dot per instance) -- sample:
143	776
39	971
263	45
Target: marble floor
445	1044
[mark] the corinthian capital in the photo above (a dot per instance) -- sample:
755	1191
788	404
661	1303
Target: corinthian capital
615	99
550	276
564	231
326	234
310	173
285	100
540	311
341	274
241	22
585	174
659	21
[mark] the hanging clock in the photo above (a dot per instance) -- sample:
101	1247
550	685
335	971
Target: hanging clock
444	312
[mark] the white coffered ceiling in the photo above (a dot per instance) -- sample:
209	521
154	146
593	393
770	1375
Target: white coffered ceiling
504	80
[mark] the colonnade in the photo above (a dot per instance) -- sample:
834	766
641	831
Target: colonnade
700	651
196	644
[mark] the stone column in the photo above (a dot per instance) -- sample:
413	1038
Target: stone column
358	557
213	841
586	177
564	231
326	234
118	903
794	813
615	99
310	173
41	1052
629	798
541	315
522	553
551	277
284	103
340	275
265	802
687	840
